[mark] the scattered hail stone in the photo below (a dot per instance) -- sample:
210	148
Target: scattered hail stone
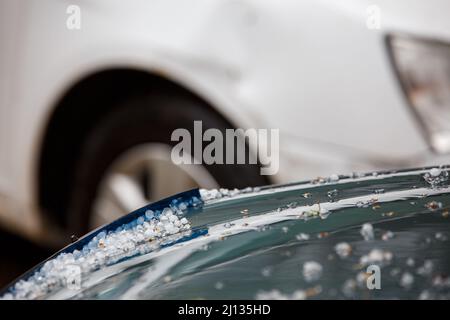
244	211
334	178
445	214
343	249
266	271
210	194
376	256
285	229
247	190
223	193
349	288
425	295
388	214
322	235
262	228
376	206
367	231
426	269
435	172
440	236
355	175
306	195
312	271
332	195
410	262
441	281
314	211
286	253
302	236
167	279
140	236
436	177
375	174
219	285
149	214
387	235
395	272
271	295
379	191
361	278
298	295
433	205
227	225
319	180
277	295
407	280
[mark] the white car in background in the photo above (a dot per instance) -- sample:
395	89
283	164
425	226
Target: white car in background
86	114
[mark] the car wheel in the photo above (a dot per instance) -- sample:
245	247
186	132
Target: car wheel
125	163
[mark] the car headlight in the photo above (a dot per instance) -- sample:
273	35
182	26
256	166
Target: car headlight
423	68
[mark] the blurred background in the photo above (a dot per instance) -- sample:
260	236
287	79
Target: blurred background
91	92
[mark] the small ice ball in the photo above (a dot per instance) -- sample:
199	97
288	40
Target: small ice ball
376	256
312	271
149	214
343	249
435	172
182	206
140	220
407	280
149	233
410	262
302	236
219	285
334	177
367	231
387	235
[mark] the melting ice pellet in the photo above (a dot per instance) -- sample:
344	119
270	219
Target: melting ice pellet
367	231
312	271
343	249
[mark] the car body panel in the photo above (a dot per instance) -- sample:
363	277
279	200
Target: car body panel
311	69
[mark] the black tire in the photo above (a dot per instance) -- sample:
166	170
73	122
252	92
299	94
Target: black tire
144	119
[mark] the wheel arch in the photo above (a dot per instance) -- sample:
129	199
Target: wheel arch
75	114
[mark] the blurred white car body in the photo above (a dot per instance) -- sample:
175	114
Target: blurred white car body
313	69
